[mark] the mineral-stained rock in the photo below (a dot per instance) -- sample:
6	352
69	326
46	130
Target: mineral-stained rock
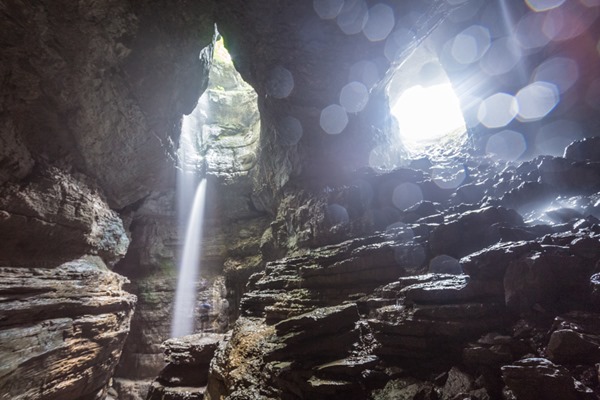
538	378
405	389
458	382
237	365
62	329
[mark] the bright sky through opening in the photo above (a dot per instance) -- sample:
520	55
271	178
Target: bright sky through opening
427	114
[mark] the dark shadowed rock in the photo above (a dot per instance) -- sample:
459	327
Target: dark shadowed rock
186	372
56	217
545	278
471	231
539	378
582	150
570	176
575	338
491	262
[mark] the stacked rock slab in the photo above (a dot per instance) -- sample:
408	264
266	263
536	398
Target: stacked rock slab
62	329
186	373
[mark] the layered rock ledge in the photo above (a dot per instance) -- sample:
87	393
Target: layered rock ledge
62	329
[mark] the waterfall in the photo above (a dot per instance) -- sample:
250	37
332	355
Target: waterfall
190	210
185	295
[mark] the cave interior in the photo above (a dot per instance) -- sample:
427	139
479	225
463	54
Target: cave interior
327	199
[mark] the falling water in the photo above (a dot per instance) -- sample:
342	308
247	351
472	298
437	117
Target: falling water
185	296
190	209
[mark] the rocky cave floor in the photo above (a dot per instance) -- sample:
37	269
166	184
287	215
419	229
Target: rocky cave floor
486	288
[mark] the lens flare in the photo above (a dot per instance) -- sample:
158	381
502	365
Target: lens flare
537	100
354	97
498	110
333	119
380	22
506	145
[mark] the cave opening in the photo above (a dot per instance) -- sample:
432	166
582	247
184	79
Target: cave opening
425	106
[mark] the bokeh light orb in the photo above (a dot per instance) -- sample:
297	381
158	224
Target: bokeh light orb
333	119
537	100
561	71
337	214
354	97
506	145
364	71
380	22
503	55
445	264
406	195
471	44
280	82
353	16
290	131
529	31
543	5
498	110
328	9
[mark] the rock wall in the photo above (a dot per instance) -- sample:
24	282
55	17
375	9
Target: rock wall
93	94
101	87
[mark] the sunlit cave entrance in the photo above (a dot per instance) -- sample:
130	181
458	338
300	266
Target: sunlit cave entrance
425	106
218	142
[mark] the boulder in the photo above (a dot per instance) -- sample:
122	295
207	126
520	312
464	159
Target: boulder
55	217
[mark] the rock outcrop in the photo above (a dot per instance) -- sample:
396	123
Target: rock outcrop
62	329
